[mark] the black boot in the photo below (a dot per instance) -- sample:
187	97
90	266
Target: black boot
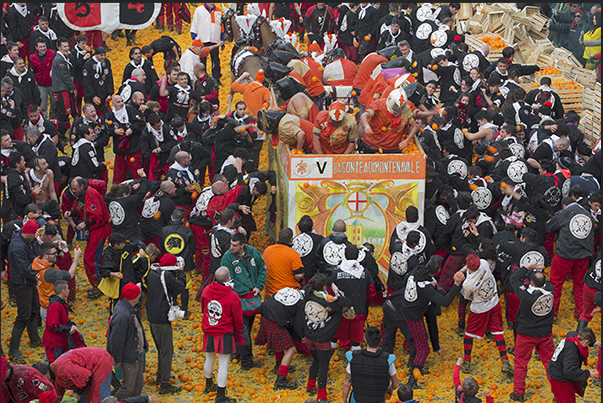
581	325
210	386
282	383
222	398
34	336
412	381
13	350
460	329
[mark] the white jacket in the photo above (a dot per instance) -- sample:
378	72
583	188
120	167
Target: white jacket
207	26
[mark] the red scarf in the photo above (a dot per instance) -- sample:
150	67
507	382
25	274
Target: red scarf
395	121
583	350
554	177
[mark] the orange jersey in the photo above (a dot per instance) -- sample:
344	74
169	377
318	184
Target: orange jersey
335	139
312	82
255	95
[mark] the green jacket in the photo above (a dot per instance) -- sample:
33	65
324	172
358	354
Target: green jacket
247	272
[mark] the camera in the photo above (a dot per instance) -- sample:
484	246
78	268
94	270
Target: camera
175	313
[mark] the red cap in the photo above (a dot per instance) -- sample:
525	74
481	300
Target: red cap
457	38
547	103
473	261
130	291
30	227
168	260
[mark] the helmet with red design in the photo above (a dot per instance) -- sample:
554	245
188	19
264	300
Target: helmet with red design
396	101
337	111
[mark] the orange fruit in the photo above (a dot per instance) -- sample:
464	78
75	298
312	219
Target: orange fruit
367	38
434	67
417	373
187	359
432	41
107	162
383	129
354	93
109	122
132	159
180	345
157	215
314	79
434	126
93	335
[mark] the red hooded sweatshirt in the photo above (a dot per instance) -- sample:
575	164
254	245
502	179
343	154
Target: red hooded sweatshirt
222	310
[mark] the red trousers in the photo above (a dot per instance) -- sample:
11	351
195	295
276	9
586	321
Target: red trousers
96	37
512	305
64	263
588	303
202	256
560	268
524	345
168	9
123	163
350	330
564	392
93	255
187	211
549	244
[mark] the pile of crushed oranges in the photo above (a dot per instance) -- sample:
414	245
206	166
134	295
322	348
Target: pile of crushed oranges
256	385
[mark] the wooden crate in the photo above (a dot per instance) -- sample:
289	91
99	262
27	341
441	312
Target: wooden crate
538	75
475	42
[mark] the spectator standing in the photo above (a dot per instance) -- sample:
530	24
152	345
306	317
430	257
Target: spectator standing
19	20
170	13
98	81
20	192
207	27
25	81
21	252
126	341
7	60
178	240
139	62
63	87
127	128
42	30
78	56
283	265
40	62
60	332
255	95
222	323
319	20
164	282
248	273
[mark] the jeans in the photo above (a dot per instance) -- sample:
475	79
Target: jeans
162	336
105	390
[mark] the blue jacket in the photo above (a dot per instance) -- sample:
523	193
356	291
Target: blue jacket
21	254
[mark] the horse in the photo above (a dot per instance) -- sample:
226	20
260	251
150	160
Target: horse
251	51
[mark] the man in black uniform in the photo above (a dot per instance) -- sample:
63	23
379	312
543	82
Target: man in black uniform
219	239
125	207
98	81
78	56
20	193
306	244
166	45
178	240
98	125
85	161
331	249
156	212
185	181
138	62
425	248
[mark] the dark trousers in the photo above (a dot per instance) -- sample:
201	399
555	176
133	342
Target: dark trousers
133	379
320	367
393	321
28	314
216	72
245	352
162	336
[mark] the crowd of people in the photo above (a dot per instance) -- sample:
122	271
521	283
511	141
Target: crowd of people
511	188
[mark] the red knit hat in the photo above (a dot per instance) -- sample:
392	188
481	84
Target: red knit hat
473	261
168	260
130	291
30	227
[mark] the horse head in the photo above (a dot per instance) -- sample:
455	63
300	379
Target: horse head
227	24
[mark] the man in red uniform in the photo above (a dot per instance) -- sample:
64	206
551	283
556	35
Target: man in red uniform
340	71
335	131
22	383
390	120
90	206
223	196
296	132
